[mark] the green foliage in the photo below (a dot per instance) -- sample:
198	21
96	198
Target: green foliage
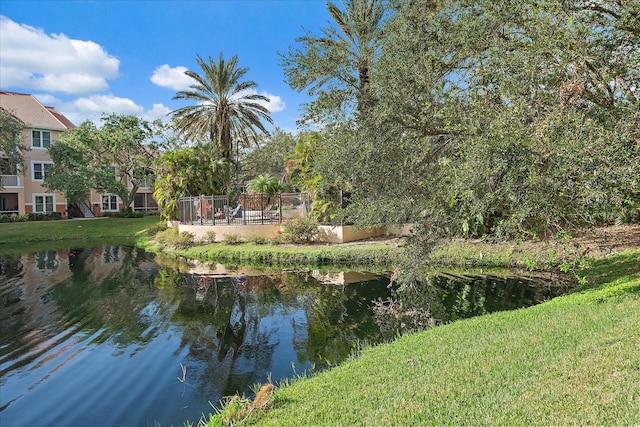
13	218
11	146
167	236
335	68
172	238
156	228
85	156
49	216
225	110
299	230
232	239
209	237
125	213
269	157
258	240
268	185
303	172
185	240
187	171
481	126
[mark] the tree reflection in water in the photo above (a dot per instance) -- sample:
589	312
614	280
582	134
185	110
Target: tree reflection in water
112	325
238	329
449	296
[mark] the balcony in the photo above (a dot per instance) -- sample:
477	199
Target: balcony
9	181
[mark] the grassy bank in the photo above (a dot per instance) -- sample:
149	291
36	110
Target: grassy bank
19	233
572	360
380	254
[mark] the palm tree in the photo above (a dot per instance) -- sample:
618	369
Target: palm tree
226	108
360	25
336	67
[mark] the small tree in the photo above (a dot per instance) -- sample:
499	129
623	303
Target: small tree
264	184
10	146
187	171
106	159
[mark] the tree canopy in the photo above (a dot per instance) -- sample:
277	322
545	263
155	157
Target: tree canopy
11	147
187	171
515	117
269	157
335	67
227	109
115	158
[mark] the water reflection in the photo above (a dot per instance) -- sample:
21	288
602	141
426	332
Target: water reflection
445	297
110	335
99	335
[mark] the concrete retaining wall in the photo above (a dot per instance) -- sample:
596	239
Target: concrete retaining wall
346	233
326	233
243	231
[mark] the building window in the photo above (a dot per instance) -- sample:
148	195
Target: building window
40	170
109	203
43	203
40	139
7	168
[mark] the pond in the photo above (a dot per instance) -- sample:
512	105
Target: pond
110	335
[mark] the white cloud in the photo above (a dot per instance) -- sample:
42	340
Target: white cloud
47	99
158	111
93	107
275	103
172	78
32	59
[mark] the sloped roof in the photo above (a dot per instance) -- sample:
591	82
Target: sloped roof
61	117
35	115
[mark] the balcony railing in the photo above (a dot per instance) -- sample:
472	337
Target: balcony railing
9	181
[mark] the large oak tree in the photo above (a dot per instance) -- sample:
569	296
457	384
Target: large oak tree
115	158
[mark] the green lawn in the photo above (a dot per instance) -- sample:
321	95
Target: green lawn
47	231
572	360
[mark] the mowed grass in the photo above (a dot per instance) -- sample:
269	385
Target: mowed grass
572	360
16	233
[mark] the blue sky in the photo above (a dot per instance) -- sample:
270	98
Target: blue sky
128	56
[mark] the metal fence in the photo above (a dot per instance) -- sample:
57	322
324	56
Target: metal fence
250	209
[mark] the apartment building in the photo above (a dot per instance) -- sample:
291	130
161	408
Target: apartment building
23	192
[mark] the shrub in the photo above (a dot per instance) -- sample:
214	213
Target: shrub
300	230
156	228
232	239
167	237
209	237
125	213
51	216
20	218
185	240
258	240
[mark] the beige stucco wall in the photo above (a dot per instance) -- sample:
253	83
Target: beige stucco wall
28	187
326	234
404	231
346	233
243	231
